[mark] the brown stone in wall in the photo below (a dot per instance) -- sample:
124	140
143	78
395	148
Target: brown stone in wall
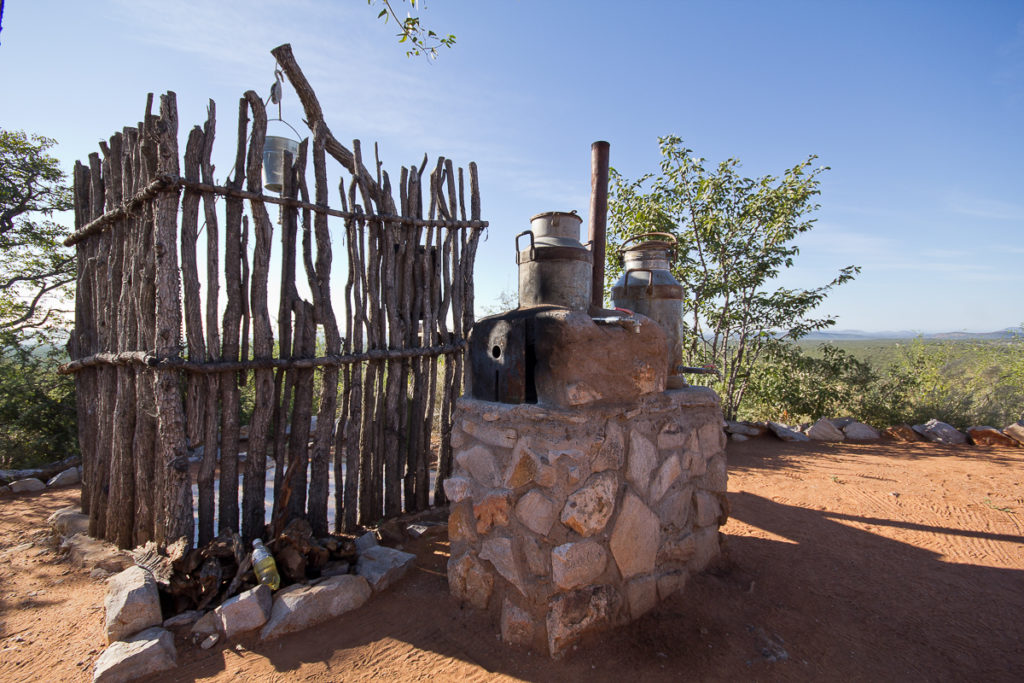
577	564
570	615
491	512
469	581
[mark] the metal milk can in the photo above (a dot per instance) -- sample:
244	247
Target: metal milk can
555	269
648	287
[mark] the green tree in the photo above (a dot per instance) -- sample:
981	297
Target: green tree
422	41
35	268
737	234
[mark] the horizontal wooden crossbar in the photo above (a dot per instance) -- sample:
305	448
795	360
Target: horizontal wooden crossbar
171	184
151	360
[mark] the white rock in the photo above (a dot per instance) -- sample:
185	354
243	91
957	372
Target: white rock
739	437
382	566
456	488
785	433
498	551
132	603
68	477
27	485
480	463
365	542
210	641
148	652
186	618
642	459
577	564
634	542
299	607
1015	431
537	512
824	430
246	611
708	508
666	476
858	431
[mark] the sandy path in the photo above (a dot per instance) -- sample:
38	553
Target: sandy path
844	562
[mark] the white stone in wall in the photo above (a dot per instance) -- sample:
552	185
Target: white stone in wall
642	459
480	463
706	548
588	510
666	476
537	512
634	542
498	551
577	564
580	393
456	488
491	435
641	595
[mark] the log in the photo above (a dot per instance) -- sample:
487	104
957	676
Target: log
172	457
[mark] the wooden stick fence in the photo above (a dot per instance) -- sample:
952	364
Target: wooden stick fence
165	374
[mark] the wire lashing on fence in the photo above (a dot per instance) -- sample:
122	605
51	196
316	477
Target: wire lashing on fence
172	184
151	360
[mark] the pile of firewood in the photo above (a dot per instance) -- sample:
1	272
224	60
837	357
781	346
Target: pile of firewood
207	576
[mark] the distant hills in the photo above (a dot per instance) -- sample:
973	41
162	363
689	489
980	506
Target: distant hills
852	335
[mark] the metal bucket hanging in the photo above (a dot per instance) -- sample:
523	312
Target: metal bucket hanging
274	150
555	269
648	287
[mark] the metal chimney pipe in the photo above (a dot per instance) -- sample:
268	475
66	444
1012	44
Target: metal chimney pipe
597	232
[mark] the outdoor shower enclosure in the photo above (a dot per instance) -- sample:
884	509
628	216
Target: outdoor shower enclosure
164	371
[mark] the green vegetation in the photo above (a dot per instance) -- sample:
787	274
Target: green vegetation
961	382
738	234
37	407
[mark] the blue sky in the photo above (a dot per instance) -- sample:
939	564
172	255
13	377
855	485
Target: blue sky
917	107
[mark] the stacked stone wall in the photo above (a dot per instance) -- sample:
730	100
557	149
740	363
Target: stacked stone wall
567	522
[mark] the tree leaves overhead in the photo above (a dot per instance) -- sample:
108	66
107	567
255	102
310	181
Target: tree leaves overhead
423	42
34	266
737	234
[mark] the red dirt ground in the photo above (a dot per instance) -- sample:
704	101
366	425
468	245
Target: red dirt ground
844	562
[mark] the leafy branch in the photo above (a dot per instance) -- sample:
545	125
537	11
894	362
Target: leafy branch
422	41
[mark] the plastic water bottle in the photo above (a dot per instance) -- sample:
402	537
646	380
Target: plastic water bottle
264	566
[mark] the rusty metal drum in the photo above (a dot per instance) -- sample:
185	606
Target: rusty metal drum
554	268
648	287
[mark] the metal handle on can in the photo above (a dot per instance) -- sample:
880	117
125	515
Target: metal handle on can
532	250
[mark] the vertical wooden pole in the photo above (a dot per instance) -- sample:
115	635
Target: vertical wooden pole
232	320
254	481
172	457
208	466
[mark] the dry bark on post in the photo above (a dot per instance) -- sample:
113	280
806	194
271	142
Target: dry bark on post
298	440
100	483
208	466
319	277
230	398
148	499
254	480
120	518
172	457
84	336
